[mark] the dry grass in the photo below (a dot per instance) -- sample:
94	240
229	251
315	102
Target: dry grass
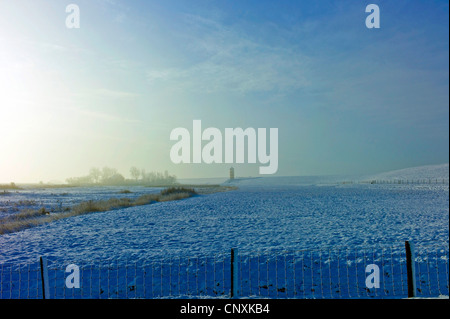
174	196
215	189
178	190
25	203
146	199
26	218
29	218
29	213
18	225
9	186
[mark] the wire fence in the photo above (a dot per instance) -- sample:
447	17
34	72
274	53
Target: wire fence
429	181
337	273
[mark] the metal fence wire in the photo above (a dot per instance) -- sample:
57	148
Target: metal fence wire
337	273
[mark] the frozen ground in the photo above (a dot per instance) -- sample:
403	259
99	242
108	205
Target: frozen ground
250	218
429	172
262	217
56	199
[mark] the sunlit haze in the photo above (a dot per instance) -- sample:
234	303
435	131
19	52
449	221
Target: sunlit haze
345	99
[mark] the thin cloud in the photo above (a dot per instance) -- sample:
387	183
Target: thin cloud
109	117
233	62
116	94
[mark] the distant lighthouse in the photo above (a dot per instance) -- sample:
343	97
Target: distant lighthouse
231	173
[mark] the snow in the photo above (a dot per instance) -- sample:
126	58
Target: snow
438	297
265	217
58	198
285	218
428	172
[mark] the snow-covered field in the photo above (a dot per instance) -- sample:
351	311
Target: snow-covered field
56	199
426	173
290	232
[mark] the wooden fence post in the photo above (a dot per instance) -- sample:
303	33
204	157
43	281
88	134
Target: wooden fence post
44	277
411	269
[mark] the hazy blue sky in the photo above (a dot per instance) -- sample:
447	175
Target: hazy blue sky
346	99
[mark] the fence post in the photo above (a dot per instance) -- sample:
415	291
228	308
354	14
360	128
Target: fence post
234	273
44	277
411	269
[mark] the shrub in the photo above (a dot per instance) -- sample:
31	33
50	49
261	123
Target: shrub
178	190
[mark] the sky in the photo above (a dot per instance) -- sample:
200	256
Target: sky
345	99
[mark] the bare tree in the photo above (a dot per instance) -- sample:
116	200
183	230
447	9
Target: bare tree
135	173
107	173
95	174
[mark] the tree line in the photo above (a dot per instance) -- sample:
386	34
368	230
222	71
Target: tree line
111	176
